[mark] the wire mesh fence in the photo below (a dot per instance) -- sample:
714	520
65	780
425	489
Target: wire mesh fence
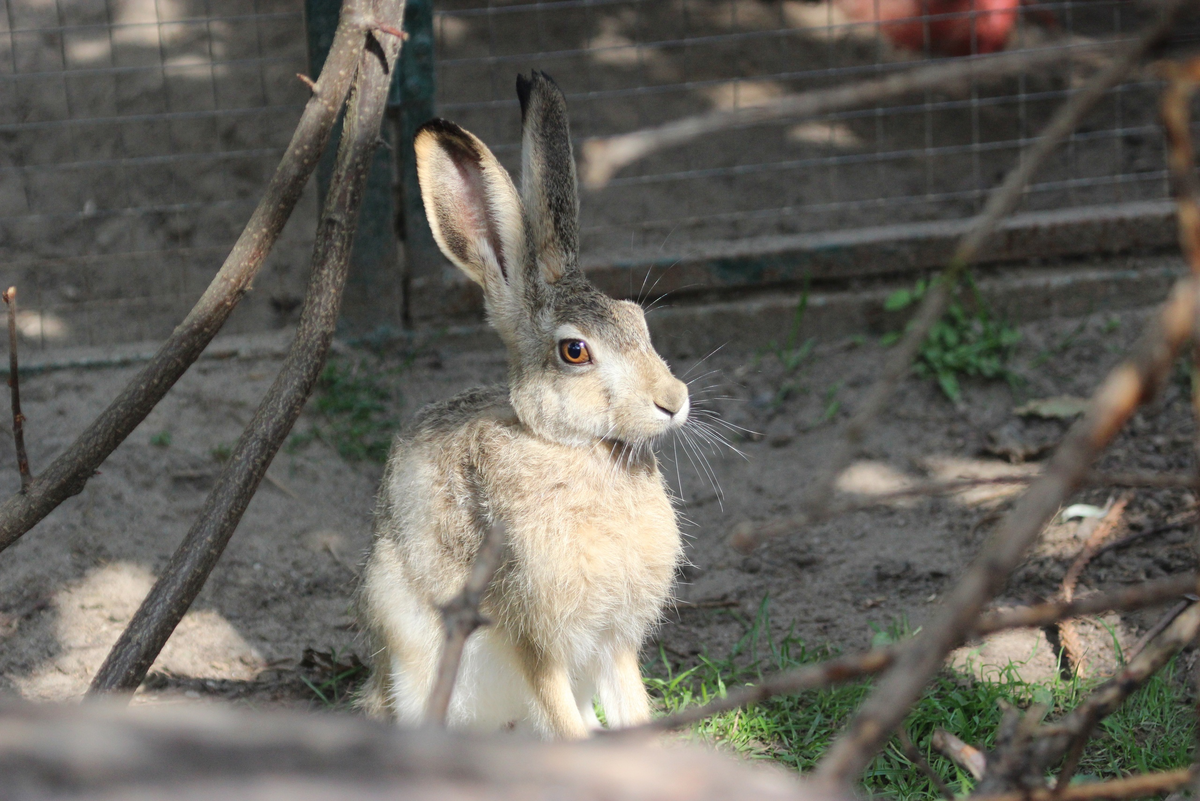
626	64
135	138
136	135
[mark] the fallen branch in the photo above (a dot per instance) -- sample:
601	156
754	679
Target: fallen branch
213	752
67	475
14	384
603	158
181	581
1002	200
461	617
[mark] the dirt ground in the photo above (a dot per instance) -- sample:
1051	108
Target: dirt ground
286	582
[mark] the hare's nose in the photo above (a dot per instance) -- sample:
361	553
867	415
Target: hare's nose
672	400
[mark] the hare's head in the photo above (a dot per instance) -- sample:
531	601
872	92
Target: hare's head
581	366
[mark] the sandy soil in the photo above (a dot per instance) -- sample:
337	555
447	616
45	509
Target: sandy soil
285	584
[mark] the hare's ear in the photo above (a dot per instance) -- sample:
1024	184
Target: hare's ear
548	185
473	208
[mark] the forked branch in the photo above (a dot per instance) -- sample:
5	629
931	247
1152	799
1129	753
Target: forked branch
461	617
189	568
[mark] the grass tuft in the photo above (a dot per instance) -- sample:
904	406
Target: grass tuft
1153	731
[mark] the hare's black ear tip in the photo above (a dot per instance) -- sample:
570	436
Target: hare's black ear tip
437	126
524	87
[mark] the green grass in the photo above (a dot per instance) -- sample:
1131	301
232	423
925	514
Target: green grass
1154	730
968	342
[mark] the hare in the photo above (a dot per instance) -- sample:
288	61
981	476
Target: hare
563	457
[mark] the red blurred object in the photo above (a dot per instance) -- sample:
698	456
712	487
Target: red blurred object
955	27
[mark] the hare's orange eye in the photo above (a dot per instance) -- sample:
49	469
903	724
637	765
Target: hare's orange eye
574	351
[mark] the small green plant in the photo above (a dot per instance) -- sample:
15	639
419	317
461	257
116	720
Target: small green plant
331	676
161	440
792	353
353	403
1153	730
221	452
965	342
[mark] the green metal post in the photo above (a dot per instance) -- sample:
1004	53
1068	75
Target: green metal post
374	297
414	95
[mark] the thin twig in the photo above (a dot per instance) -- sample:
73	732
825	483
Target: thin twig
914	756
1002	200
603	158
67	475
14	383
461	616
967	757
1159	627
181	581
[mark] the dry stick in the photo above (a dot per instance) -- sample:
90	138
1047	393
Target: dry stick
14	383
1110	408
176	589
967	757
1103	529
848	668
603	158
67	475
461	617
1143	786
1000	203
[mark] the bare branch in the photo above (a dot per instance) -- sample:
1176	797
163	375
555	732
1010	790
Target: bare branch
14	383
603	158
1138	596
1002	200
461	617
1102	529
67	475
140	643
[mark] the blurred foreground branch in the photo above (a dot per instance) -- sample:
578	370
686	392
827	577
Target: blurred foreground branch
14	385
603	158
461	617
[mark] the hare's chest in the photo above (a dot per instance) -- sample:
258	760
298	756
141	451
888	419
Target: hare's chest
595	550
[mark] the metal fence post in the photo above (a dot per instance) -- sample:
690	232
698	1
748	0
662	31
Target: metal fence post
373	304
414	96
